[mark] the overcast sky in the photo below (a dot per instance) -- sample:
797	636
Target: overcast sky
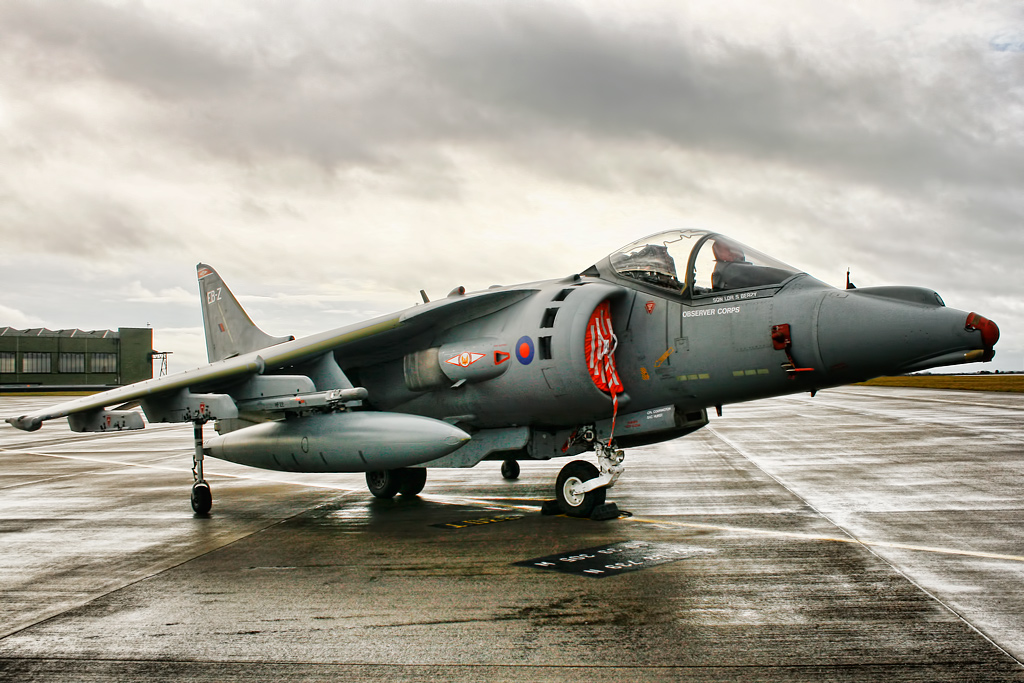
332	158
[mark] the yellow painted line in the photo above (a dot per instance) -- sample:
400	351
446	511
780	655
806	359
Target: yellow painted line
835	539
483	502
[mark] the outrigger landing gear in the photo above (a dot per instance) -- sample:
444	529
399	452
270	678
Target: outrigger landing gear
581	488
202	498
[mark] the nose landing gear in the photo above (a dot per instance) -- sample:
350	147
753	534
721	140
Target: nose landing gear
573	499
581	488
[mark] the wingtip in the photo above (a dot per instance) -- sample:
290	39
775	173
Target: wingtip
25	423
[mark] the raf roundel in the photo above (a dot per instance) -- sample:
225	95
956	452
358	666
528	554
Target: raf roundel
524	350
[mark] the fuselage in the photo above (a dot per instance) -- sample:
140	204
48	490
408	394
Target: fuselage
528	364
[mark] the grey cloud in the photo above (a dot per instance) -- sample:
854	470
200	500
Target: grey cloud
877	123
123	43
874	144
540	84
85	225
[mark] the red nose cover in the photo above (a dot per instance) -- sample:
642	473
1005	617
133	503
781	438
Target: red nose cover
989	332
600	342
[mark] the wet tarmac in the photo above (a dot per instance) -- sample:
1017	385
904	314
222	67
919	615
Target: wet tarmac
864	534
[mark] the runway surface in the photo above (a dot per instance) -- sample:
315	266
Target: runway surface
864	534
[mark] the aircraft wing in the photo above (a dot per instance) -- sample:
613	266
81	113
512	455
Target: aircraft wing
140	390
178	397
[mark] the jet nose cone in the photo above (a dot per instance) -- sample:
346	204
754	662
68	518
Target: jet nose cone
886	331
989	333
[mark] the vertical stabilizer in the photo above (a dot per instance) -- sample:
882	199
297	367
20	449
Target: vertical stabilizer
229	330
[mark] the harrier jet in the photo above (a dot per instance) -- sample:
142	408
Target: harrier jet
631	351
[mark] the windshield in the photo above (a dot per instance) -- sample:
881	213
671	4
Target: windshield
653	259
716	263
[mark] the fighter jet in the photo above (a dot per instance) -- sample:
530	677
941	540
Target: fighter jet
631	351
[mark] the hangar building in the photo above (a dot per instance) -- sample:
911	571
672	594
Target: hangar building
74	359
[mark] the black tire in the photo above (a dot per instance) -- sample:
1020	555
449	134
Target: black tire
413	481
578	506
202	498
384	483
510	469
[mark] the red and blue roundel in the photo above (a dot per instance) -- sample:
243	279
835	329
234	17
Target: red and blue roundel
524	350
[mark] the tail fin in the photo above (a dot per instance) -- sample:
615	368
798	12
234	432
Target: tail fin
229	330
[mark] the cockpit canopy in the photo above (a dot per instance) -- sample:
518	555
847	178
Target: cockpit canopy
697	263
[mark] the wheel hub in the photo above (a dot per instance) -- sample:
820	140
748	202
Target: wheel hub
572	491
377	479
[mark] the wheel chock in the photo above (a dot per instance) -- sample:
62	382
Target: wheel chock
605	511
550	507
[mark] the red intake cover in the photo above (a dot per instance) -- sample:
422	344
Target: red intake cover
600	350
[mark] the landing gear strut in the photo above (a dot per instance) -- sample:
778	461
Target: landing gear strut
202	498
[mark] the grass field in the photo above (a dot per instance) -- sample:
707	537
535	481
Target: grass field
1014	383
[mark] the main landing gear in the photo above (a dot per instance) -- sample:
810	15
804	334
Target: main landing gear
581	488
510	469
408	481
202	498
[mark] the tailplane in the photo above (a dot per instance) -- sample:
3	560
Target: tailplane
229	330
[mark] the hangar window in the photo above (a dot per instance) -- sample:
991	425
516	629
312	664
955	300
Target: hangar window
7	361
72	362
103	362
35	362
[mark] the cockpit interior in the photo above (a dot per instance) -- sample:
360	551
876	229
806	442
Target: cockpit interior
711	263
